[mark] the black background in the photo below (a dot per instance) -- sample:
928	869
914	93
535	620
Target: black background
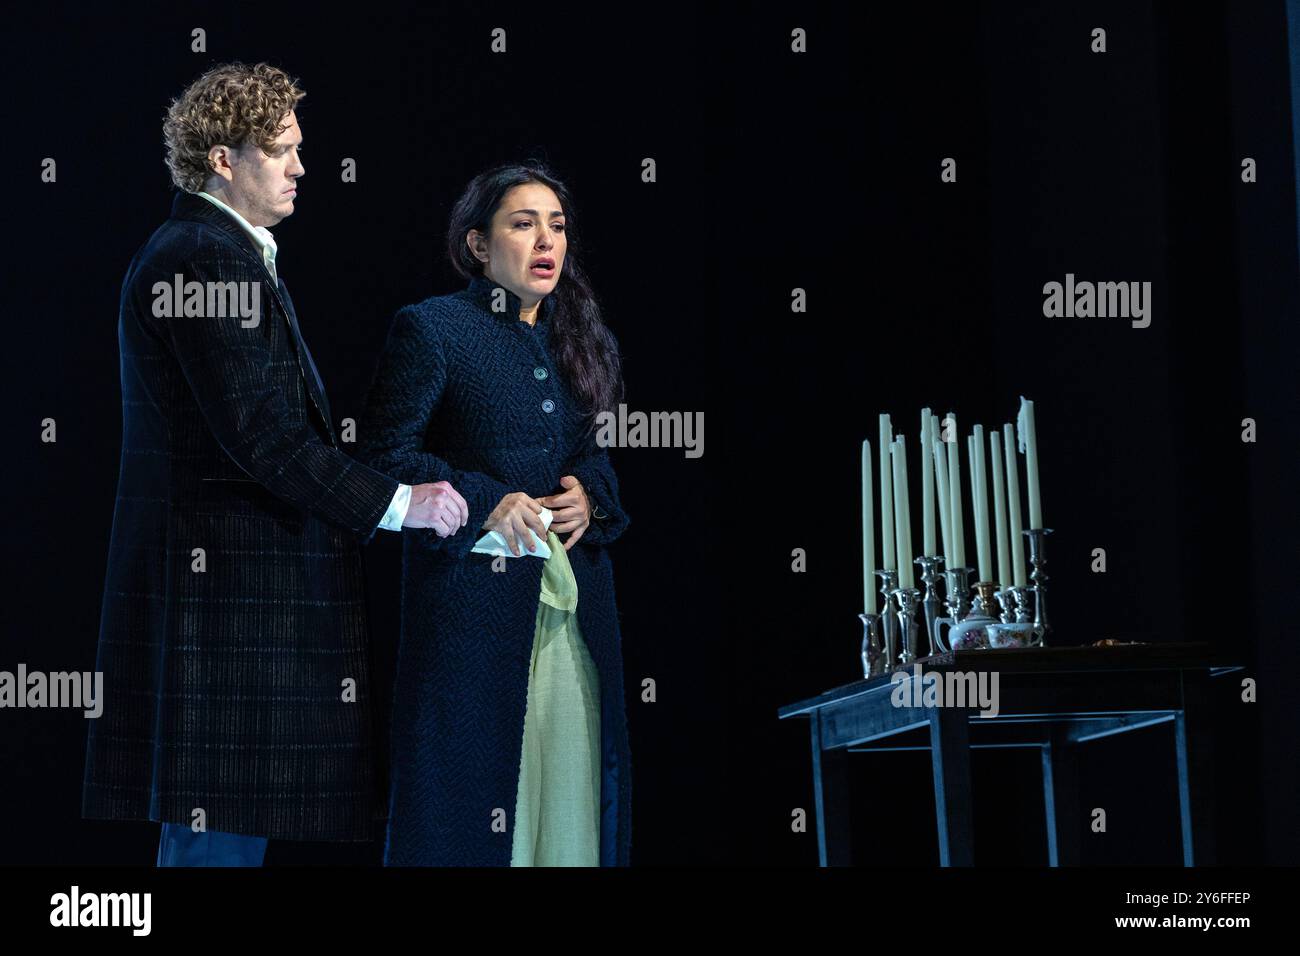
775	171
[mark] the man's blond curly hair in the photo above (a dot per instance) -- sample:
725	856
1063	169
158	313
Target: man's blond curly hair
231	105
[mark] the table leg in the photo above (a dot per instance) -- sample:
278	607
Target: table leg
1061	798
1194	742
950	758
831	797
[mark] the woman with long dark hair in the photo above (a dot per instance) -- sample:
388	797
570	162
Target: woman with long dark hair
509	732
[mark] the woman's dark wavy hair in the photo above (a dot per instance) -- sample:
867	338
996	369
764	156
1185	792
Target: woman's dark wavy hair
584	348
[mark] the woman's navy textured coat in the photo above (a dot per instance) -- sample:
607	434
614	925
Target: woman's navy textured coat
470	394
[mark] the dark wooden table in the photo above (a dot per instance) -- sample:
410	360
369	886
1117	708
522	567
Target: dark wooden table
1054	699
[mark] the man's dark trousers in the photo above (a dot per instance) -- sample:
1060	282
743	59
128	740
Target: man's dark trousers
179	845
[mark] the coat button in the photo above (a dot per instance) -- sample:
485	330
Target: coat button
539	373
548	406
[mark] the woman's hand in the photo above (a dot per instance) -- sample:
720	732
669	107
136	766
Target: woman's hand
571	510
512	517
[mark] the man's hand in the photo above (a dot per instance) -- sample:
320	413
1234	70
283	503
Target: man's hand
512	517
438	506
570	509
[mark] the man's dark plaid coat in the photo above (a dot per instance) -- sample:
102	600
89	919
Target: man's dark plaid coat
228	672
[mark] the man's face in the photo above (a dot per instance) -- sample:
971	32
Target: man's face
261	186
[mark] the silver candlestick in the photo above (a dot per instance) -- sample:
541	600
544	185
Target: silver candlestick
908	599
888	617
1015	604
1038	558
873	651
958	597
931	575
1007	601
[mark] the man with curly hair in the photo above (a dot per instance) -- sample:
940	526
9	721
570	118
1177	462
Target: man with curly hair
233	638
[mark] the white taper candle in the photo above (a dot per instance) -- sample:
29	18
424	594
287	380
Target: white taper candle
887	562
940	453
868	534
902	515
1029	445
1000	508
927	486
983	540
954	492
1019	575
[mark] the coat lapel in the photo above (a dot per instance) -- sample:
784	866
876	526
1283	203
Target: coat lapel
198	209
320	398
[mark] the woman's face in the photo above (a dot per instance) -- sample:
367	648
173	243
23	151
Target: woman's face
525	246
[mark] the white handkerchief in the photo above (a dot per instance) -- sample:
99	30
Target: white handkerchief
495	543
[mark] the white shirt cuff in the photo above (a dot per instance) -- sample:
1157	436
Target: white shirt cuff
396	512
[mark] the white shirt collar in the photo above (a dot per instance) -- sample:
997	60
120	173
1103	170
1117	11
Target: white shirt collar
259	234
